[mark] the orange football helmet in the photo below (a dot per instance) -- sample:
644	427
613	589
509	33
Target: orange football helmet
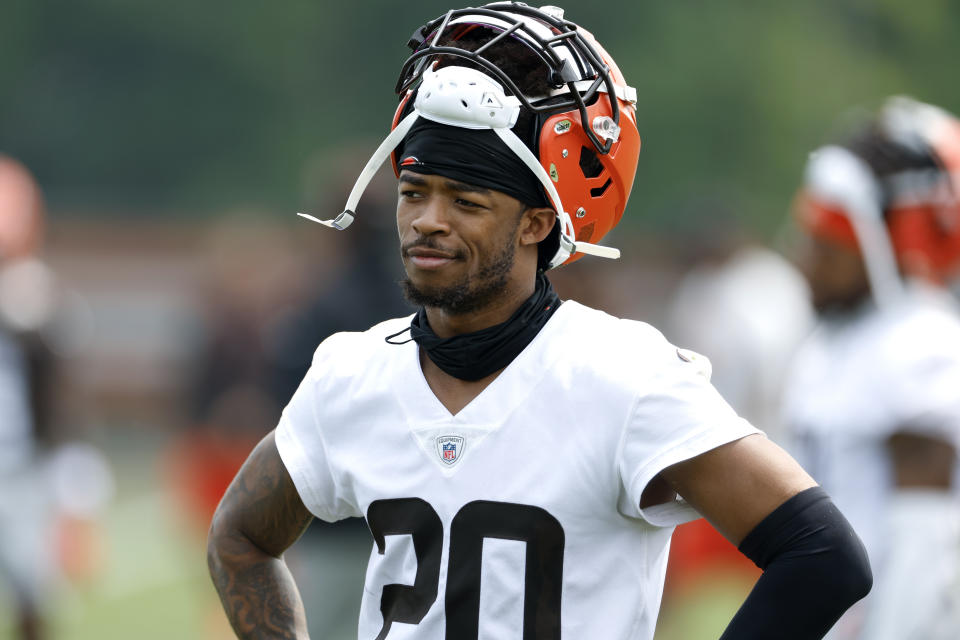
584	143
21	211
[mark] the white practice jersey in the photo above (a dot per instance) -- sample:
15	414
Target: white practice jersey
519	516
857	381
16	422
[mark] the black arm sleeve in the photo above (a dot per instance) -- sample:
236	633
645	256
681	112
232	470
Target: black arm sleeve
814	568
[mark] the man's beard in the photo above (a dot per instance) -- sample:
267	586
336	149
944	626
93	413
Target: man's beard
471	292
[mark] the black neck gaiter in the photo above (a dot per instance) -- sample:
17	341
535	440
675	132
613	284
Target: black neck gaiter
472	356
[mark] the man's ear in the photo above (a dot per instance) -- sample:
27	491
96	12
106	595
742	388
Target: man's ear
535	224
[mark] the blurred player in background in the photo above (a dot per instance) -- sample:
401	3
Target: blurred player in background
519	459
51	488
26	561
716	311
873	400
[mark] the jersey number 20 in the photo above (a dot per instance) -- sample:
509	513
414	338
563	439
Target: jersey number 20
477	520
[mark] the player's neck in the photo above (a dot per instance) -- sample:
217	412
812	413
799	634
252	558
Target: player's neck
445	324
454	394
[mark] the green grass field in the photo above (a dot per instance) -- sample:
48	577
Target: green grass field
153	583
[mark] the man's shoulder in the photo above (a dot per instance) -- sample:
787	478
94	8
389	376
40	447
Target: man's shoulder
381	338
604	327
607	340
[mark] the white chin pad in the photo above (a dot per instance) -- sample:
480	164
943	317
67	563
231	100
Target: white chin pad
464	97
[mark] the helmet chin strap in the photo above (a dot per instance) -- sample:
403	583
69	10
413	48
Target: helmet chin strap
383	152
837	175
439	99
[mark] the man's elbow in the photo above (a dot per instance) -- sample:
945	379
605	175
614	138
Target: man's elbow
215	540
853	576
229	544
809	544
225	544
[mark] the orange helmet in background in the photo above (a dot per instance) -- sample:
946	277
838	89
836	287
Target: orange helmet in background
924	210
892	191
21	211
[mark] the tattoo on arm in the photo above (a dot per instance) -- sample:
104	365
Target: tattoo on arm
260	515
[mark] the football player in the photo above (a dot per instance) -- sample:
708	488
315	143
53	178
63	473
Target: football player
25	560
521	461
873	397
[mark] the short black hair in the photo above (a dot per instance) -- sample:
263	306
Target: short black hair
885	156
516	59
510	55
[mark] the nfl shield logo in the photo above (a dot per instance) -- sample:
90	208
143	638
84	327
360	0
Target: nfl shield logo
449	448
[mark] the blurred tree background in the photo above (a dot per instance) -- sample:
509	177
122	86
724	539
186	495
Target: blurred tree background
155	130
186	108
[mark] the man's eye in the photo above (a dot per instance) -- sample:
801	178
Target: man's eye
410	194
467	203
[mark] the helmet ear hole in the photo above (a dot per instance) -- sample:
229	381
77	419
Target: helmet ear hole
590	164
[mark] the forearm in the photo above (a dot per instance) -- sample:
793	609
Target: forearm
260	516
257	590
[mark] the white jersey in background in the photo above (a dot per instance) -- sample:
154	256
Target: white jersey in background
858	380
749	338
25	564
519	516
16	424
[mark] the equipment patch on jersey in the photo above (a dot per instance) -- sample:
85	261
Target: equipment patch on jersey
450	449
445	444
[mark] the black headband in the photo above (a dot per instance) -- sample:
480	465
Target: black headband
474	156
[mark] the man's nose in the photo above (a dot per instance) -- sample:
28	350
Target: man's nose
432	218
